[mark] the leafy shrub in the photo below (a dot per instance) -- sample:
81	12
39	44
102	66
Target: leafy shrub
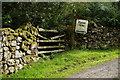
54	14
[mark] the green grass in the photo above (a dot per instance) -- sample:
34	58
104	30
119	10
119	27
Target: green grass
65	64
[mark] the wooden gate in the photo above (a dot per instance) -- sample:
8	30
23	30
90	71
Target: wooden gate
50	41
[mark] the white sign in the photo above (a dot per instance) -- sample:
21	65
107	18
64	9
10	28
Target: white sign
81	26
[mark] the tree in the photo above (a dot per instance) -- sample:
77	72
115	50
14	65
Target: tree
54	14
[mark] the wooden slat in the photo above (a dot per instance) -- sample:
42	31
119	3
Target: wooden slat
42	36
43	30
50	40
57	37
43	47
60	50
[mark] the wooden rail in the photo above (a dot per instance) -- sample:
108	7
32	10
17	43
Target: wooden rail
60	50
42	37
43	30
44	47
56	37
50	40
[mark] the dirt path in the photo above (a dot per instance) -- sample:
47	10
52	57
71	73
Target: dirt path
106	70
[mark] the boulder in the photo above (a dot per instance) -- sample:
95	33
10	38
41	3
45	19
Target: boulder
18	43
17	61
1	50
4	38
16	68
24	61
2	32
5	67
13	49
7	55
6	72
11	62
20	66
29	52
18	47
23	53
21	61
7	43
35	58
5	48
13	43
19	39
1	45
1	57
18	54
33	45
12	56
11	69
34	51
1	65
1	38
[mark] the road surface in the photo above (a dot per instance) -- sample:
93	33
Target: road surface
106	70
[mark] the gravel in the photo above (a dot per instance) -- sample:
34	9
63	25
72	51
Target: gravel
106	70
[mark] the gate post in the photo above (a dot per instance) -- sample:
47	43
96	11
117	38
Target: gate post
73	30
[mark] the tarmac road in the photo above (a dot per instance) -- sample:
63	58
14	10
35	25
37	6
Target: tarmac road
106	70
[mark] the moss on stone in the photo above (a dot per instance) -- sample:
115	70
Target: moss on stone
23	47
7	32
33	44
30	29
11	37
27	43
28	36
15	34
28	58
9	29
18	30
13	49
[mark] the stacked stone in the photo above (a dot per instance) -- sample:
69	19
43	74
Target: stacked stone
99	38
17	48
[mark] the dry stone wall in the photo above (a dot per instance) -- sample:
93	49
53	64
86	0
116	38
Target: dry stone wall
17	48
99	37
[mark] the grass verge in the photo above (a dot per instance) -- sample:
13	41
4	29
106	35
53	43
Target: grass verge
65	64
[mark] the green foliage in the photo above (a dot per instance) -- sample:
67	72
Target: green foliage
104	14
53	55
54	14
65	64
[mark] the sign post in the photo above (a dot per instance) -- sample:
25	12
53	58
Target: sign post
78	26
81	26
73	30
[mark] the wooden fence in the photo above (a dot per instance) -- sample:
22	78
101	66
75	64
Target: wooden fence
50	41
